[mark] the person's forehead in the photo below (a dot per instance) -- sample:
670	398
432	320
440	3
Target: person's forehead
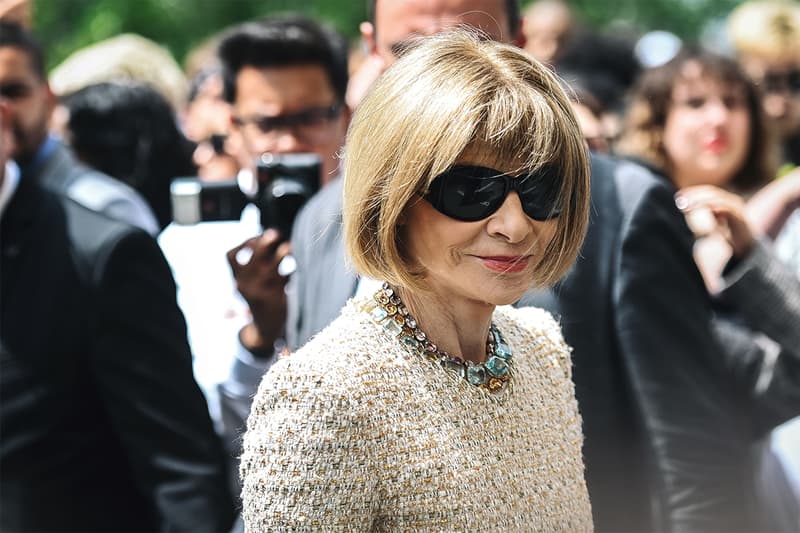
15	62
396	20
695	80
757	66
483	155
286	88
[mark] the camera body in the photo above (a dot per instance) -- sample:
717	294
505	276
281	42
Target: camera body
282	184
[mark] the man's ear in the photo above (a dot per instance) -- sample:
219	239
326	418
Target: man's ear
235	143
51	100
368	36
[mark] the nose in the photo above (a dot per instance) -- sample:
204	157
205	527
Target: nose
777	105
281	141
287	140
510	222
718	112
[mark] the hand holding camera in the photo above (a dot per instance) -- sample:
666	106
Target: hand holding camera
261	284
260	265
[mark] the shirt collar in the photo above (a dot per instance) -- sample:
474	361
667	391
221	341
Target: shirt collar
9	185
47	147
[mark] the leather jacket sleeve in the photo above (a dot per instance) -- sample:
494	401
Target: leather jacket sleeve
688	411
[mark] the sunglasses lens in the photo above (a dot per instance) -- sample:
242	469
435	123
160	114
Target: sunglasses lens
471	195
539	195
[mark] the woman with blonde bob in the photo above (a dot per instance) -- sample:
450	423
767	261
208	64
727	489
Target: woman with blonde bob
431	405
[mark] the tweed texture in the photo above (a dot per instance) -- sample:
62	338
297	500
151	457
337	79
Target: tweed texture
353	432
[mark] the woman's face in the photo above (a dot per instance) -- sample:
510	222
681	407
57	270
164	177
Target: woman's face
707	131
488	261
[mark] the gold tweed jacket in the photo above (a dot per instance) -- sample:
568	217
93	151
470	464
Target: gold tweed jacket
354	432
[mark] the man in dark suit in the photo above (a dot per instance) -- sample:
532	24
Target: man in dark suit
102	427
24	87
660	451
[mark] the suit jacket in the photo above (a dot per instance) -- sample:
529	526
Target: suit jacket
62	173
324	280
102	426
664	447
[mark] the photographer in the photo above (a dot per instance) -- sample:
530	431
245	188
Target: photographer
285	78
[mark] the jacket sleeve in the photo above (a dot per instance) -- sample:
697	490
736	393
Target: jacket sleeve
763	352
767	294
142	366
663	321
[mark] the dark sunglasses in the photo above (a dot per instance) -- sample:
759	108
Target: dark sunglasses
470	193
14	90
217	142
778	81
308	118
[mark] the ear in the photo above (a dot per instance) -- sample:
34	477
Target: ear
368	36
51	100
235	144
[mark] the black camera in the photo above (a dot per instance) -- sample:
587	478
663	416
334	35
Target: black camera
281	185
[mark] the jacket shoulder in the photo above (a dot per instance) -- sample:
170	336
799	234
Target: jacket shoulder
94	236
322	212
629	181
94	190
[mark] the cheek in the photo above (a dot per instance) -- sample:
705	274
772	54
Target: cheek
740	129
680	136
545	233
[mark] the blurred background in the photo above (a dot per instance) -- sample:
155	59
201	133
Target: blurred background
64	26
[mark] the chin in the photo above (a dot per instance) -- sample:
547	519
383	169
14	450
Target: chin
506	292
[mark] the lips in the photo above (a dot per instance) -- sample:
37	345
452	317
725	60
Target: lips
716	145
505	263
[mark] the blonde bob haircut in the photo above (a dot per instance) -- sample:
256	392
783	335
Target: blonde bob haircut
447	94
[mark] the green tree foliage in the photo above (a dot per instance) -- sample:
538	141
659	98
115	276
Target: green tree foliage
685	18
64	26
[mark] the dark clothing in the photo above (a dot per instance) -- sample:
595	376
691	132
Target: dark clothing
663	446
56	169
102	426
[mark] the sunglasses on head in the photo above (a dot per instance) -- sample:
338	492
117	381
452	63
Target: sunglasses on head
471	193
778	81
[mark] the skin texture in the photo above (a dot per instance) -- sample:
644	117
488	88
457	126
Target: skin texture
208	114
706	134
399	20
547	25
592	128
285	90
30	105
464	278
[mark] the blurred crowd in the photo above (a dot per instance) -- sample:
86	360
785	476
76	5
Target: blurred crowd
169	232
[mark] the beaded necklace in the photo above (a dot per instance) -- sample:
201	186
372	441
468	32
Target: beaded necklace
387	310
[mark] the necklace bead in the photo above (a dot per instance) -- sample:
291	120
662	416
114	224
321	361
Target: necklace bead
388	310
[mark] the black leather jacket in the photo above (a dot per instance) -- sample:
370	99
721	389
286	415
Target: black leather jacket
664	447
